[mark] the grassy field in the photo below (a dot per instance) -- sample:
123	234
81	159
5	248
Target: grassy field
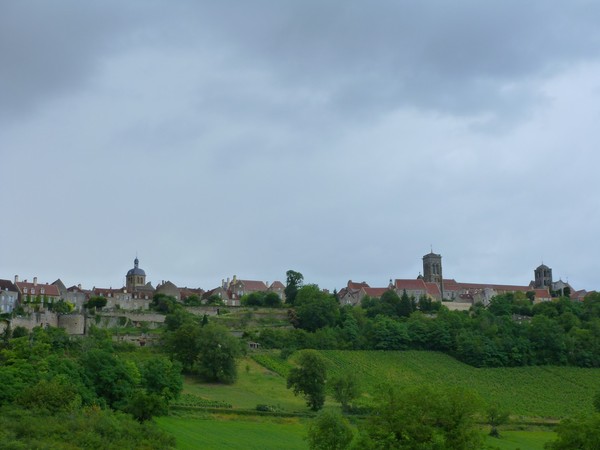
225	432
529	393
543	392
524	440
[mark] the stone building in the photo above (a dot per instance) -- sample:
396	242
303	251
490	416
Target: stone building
9	296
542	277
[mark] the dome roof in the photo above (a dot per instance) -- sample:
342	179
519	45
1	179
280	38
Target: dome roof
136	270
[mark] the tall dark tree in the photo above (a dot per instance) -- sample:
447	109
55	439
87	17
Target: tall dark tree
294	282
316	309
309	379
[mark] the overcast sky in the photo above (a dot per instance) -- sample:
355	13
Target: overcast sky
341	139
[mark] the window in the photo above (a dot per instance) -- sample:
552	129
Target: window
42	291
24	290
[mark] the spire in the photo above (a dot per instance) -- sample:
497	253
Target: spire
136	262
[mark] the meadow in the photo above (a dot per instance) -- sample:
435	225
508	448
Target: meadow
531	394
548	392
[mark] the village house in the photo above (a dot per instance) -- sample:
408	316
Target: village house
9	296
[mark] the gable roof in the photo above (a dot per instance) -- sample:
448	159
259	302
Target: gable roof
7	285
49	289
252	285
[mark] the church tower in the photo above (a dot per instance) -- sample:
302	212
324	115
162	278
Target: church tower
136	277
543	277
432	268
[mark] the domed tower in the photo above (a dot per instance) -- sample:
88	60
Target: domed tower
543	277
136	277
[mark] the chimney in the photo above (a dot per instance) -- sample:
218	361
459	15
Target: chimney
35	281
16	278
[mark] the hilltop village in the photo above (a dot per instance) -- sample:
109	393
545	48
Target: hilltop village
31	303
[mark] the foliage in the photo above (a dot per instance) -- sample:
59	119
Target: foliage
95	302
315	309
309	379
423	418
108	376
293	284
92	428
345	388
217	353
264	299
495	417
581	432
144	405
163	303
52	396
329	431
162	377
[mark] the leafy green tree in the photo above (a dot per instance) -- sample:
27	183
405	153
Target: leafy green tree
217	354
163	303
53	396
309	379
184	344
406	305
108	376
253	299
329	431
62	307
345	388
582	433
272	300
20	331
162	377
143	405
192	300
95	302
293	284
424	418
496	417
177	318
316	309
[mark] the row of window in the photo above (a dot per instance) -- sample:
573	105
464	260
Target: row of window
42	291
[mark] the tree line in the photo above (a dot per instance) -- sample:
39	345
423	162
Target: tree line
511	331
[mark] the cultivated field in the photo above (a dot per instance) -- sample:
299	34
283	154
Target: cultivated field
532	394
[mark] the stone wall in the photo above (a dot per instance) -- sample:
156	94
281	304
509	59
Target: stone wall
72	323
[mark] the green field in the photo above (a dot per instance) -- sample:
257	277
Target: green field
524	440
529	392
235	433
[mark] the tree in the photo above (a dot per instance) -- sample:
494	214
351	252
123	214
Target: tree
183	344
424	418
293	283
582	432
329	431
143	405
309	379
345	389
162	377
96	302
315	309
217	353
495	418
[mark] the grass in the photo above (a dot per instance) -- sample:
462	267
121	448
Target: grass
528	392
221	432
524	440
254	386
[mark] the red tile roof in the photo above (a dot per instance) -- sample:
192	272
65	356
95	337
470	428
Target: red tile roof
50	290
375	292
410	285
354	285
